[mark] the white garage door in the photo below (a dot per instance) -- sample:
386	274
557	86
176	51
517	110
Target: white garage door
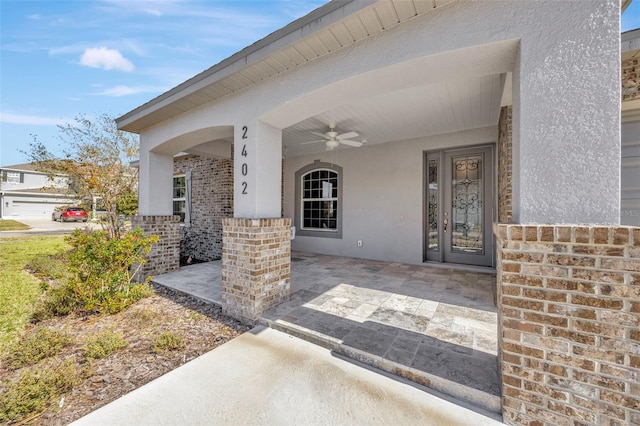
630	176
33	209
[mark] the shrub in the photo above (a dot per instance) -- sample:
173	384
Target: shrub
35	389
167	341
101	274
41	344
59	300
104	344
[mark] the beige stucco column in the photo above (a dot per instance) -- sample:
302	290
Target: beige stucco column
256	245
155	210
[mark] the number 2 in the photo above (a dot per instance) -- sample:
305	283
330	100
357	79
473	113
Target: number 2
244	132
244	188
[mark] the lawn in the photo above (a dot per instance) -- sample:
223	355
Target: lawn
19	289
12	225
57	369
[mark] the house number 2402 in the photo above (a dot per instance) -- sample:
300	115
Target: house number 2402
245	166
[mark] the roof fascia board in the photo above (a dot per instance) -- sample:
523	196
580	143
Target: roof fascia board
28	171
38	194
317	19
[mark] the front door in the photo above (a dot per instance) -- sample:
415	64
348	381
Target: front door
459	206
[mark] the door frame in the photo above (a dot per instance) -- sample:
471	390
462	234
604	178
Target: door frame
490	200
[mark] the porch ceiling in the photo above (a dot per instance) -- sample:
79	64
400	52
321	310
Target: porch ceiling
432	109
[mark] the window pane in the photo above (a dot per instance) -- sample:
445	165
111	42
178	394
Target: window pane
179	209
321	186
13	177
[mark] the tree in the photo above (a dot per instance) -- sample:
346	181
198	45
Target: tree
95	156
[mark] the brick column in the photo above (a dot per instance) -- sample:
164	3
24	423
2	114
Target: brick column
505	164
256	266
569	303
165	254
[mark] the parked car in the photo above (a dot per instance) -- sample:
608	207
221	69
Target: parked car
67	214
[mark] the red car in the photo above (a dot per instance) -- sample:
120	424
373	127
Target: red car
70	214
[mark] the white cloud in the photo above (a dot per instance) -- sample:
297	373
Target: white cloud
122	90
107	59
33	120
154	12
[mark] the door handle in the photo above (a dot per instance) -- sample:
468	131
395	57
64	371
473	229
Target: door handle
444	224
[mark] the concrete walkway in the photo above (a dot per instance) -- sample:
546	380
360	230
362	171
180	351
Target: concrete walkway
266	377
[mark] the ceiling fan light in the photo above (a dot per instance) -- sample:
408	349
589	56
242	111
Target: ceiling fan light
332	144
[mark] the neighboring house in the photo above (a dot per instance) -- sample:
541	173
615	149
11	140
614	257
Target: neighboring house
26	193
478	134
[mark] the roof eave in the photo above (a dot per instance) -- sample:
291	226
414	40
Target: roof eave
315	20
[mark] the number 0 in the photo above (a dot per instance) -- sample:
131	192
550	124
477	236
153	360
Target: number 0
245	169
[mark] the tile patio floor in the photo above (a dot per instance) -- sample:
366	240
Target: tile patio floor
436	327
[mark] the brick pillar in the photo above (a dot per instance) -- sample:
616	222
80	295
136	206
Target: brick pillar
256	266
505	161
165	254
569	305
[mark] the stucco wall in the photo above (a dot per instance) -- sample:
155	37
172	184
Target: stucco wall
564	52
211	201
382	196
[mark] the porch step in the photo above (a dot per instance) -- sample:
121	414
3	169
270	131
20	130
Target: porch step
478	400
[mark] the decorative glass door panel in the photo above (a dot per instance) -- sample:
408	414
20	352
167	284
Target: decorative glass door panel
459	206
433	198
467	227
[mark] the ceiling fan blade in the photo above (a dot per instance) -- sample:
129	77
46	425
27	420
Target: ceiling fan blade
306	143
347	135
350	143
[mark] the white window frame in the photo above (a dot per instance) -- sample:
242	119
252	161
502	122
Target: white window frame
300	201
179	199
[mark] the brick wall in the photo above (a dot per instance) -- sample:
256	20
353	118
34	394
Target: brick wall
569	302
631	79
211	201
504	165
165	254
256	266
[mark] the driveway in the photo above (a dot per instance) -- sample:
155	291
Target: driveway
47	226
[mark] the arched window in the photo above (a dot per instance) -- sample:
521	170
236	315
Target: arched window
319	200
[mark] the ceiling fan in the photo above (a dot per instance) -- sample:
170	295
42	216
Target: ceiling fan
332	139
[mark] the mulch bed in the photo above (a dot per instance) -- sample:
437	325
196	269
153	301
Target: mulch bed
201	326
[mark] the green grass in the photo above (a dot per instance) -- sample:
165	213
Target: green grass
12	225
18	289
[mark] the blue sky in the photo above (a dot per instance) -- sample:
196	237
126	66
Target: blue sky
62	58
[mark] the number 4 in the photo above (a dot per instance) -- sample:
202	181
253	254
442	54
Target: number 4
244	150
